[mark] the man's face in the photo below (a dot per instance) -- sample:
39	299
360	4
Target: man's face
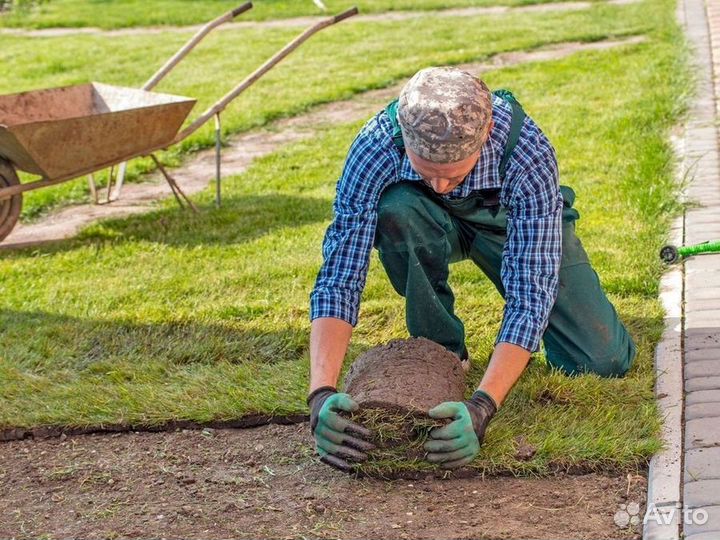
444	177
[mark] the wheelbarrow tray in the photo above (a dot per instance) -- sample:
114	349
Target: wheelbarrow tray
65	132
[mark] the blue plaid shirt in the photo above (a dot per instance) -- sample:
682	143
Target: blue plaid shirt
530	193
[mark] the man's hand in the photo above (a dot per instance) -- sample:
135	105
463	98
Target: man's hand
338	441
458	443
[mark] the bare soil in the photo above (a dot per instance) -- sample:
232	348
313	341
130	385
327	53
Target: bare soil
412	374
265	483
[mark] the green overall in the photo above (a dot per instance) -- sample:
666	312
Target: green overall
419	234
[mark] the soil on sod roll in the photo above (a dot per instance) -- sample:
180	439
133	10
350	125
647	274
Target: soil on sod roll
396	385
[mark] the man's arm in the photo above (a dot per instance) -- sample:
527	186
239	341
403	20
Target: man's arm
506	366
329	340
334	302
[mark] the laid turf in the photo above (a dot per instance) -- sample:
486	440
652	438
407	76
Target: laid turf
335	64
138	13
174	316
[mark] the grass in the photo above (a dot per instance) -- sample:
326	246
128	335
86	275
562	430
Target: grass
336	64
138	13
171	316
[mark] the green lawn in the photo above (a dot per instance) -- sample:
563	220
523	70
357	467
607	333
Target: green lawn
174	316
336	64
131	13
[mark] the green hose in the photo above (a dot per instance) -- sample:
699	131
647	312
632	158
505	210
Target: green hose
671	254
705	247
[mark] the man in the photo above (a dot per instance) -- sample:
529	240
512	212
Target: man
450	172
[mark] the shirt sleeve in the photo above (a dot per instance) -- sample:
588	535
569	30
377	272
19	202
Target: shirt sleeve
532	253
369	168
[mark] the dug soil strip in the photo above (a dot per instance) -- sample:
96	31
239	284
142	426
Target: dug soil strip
243	149
265	483
298	22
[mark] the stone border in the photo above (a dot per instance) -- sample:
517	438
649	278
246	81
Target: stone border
665	471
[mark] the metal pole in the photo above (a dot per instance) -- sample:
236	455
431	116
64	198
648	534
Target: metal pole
218	147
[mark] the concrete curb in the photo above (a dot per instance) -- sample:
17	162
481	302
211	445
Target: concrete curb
664	477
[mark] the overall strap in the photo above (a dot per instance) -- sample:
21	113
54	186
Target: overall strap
518	117
392	112
516	123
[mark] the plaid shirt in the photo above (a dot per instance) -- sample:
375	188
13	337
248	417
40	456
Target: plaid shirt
530	193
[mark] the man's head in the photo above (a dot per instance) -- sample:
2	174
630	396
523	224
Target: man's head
445	115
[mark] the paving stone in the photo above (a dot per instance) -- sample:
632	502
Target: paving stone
702	433
702	464
704	305
700	234
705	293
711	272
700	318
701	355
701	338
701	368
702	410
710	535
702	382
708	261
702	396
702	493
699	195
702	521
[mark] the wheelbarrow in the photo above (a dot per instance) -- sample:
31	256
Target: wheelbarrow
62	133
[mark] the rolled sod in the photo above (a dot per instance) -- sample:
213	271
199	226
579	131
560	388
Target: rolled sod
396	384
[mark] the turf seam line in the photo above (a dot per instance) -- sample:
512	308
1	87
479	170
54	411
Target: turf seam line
47	432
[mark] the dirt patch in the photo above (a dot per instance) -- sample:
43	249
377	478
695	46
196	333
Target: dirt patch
243	149
413	374
265	483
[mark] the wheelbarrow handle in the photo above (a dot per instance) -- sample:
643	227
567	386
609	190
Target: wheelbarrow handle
345	15
190	44
242	9
220	105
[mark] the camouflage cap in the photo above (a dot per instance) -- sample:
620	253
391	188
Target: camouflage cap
444	114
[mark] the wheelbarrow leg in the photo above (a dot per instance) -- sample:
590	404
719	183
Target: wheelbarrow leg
111	175
174	187
93	188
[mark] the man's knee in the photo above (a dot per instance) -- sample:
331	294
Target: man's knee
398	206
612	360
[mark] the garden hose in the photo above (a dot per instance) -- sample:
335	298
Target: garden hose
670	254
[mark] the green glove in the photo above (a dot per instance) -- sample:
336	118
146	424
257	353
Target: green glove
459	442
338	441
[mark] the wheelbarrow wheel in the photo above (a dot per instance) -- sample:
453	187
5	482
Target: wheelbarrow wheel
10	207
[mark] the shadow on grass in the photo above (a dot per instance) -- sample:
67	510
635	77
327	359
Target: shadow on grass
240	219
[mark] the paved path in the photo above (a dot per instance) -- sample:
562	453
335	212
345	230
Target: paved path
687	475
296	22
